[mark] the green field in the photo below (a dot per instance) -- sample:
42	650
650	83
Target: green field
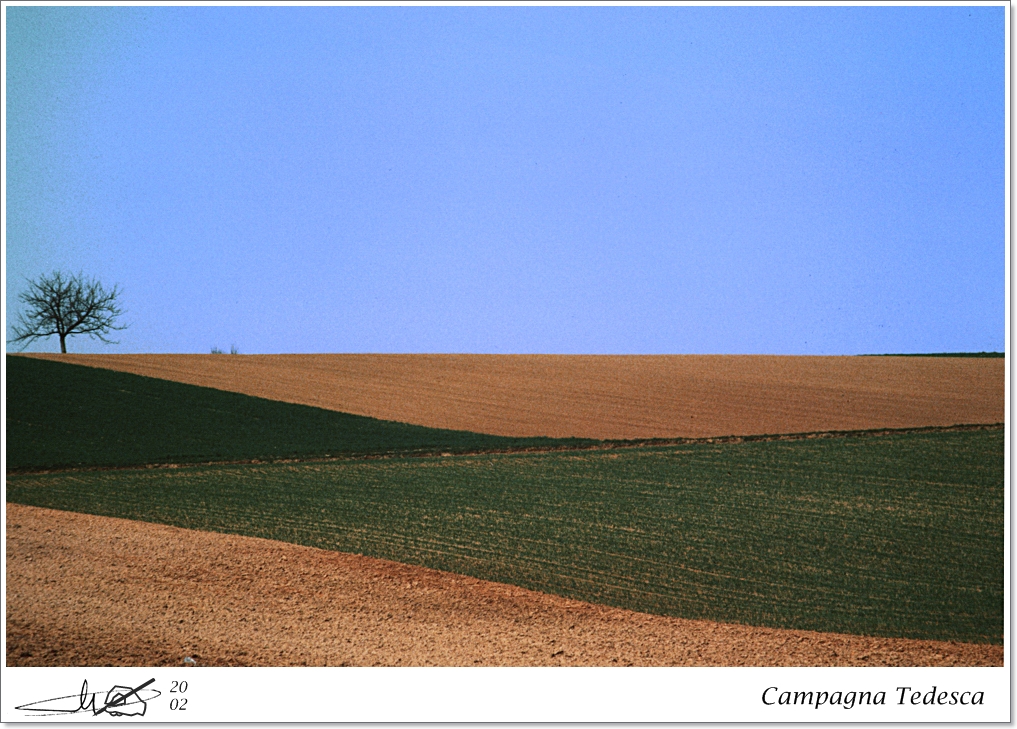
996	355
61	416
898	535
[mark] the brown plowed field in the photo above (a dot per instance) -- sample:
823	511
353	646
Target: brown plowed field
85	590
606	396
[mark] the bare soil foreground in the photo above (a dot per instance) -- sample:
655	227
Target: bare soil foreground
87	590
607	397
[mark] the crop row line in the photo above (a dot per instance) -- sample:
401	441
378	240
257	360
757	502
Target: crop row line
598	446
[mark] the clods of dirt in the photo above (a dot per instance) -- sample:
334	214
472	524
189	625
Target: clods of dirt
94	591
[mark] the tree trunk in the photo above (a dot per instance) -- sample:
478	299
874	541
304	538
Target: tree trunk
63	344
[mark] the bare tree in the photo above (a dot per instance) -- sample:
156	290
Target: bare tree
65	306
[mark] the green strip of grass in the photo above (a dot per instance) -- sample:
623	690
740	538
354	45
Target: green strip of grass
900	535
942	354
61	415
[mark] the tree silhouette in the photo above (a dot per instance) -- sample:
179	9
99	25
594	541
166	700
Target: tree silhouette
65	306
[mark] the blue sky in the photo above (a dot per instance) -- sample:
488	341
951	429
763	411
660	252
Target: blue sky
687	180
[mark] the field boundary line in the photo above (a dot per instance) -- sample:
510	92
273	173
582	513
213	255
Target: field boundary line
597	446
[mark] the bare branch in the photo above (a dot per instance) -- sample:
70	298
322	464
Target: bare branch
65	306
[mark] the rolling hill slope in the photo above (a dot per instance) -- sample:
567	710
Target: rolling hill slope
63	415
897	536
606	397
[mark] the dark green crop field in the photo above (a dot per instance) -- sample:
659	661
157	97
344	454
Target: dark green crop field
62	415
899	535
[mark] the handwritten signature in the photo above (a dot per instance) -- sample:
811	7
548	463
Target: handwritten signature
120	701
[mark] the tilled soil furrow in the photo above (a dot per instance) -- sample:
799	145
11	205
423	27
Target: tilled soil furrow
605	397
85	590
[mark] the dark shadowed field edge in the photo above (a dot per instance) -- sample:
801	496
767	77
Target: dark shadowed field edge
894	536
62	416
